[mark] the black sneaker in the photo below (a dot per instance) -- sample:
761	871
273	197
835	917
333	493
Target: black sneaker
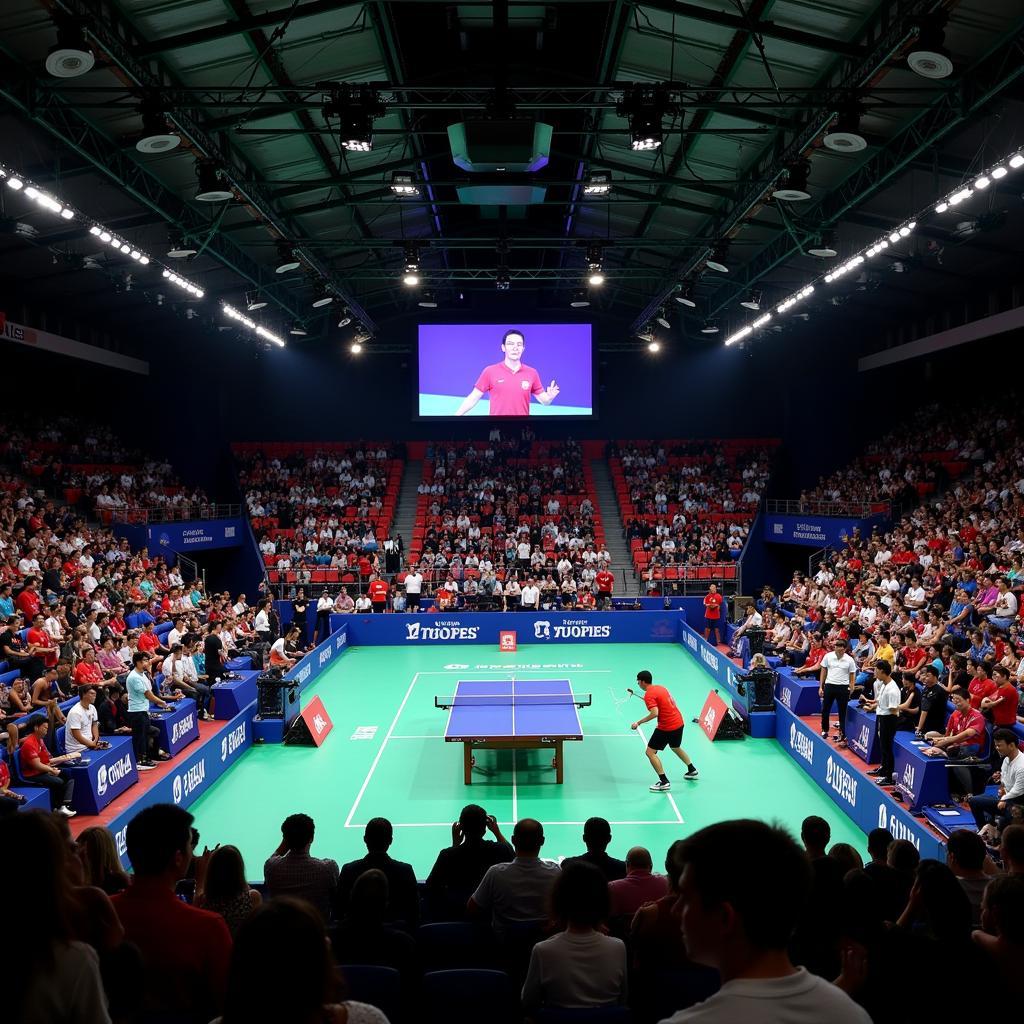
691	773
824	734
146	766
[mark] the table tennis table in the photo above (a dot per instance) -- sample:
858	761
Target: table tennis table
513	714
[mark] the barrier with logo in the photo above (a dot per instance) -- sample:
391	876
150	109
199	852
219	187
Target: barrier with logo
712	715
865	804
179	727
185	537
192	776
714	662
318	722
106	776
861	734
799	695
533	628
922	780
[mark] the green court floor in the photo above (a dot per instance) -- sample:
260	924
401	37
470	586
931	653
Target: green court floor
386	757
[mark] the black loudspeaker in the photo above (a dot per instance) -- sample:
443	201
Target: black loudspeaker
299	735
731	728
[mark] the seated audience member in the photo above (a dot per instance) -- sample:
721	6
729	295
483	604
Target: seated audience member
224	889
101	867
1011	849
363	935
1002	923
39	769
736	923
458	869
964	737
517	892
291	871
597	834
176	941
580	967
58	977
641	885
288	931
403	895
1006	750
966	858
279	650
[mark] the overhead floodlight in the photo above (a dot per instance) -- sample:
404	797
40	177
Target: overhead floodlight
580	299
824	247
844	136
928	57
179	247
599	183
644	106
595	261
428	300
286	261
710	326
156	136
254	301
982	182
70	56
1016	160
685	295
355	108
211	188
185	285
322	296
942	207
346	317
256	328
654	346
794	187
15	183
718	257
410	278
411	275
356	347
998	172
404	185
298	329
662	318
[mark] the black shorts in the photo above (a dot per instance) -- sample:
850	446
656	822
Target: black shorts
660	739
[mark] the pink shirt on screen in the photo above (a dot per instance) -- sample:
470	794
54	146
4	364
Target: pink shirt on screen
509	390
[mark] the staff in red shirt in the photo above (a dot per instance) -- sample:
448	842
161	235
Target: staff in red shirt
1003	702
713	614
37	767
669	731
605	581
45	645
965	730
378	591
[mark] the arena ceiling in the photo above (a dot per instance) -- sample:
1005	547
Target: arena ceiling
258	91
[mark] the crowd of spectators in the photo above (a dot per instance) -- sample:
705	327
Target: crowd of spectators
504	524
744	923
88	465
688	503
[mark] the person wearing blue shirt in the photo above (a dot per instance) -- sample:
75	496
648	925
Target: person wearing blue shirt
6	601
980	649
140	696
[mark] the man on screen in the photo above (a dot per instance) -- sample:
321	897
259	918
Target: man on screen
510	382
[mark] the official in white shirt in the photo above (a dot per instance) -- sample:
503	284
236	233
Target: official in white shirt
413	588
884	705
324	607
835	684
82	727
1006	744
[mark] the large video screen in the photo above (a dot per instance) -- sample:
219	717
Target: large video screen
505	370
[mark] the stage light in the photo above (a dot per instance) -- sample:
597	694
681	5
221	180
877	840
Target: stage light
182	283
928	57
256	328
502	281
321	297
346	317
598	184
211	188
286	261
654	346
156	135
685	295
717	260
356	347
355	108
298	329
644	107
753	300
794	187
1016	160
254	301
15	183
844	136
410	279
404	185
998	172
662	318
580	299
428	300
982	182
710	326
739	335
179	248
825	246
70	56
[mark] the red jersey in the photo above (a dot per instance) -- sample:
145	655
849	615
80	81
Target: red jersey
969	719
1005	712
510	390
32	747
149	642
980	688
605	581
5	775
86	673
41	638
378	591
913	657
669	717
712	606
27	602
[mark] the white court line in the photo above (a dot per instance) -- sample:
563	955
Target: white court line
515	794
505	671
376	760
509	824
671	798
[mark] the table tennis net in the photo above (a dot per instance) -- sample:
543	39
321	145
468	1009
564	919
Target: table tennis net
464	700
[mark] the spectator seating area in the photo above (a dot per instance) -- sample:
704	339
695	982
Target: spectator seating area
687	506
317	508
88	466
492	515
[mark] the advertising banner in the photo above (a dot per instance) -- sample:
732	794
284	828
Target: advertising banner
812	531
864	803
192	776
318	722
534	629
712	714
507	640
321	656
195	535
